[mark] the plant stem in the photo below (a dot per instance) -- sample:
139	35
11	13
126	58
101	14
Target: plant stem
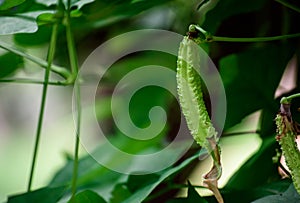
56	69
50	57
74	67
30	81
288	5
252	39
293	96
287	100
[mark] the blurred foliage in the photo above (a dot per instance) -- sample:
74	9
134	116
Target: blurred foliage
251	73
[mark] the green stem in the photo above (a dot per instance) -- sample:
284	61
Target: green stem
287	100
253	39
289	5
30	81
74	68
56	69
51	52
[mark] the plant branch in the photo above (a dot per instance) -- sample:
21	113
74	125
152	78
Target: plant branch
252	39
56	69
31	81
74	68
199	35
50	57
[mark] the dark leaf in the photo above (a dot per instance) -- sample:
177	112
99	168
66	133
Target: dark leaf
225	9
9	63
45	195
120	193
251	78
7	4
290	196
87	196
192	197
143	192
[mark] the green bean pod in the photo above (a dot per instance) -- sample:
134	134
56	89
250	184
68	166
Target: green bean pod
190	93
286	136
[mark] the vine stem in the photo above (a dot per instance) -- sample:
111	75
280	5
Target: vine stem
74	67
50	57
31	81
56	69
252	39
287	100
288	5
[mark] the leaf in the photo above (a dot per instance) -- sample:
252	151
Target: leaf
78	3
9	63
7	4
290	196
143	192
249	195
225	9
20	23
135	182
87	196
192	197
41	36
251	78
45	195
120	193
257	170
108	12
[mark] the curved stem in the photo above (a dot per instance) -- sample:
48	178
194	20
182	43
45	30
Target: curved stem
287	100
74	67
252	39
56	69
50	58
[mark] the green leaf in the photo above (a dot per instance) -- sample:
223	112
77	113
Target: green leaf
120	193
87	196
45	195
7	4
20	23
108	12
251	78
257	170
135	182
41	36
78	3
143	192
290	196
192	197
9	63
249	195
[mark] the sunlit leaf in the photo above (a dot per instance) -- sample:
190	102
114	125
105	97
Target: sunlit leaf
21	23
259	164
